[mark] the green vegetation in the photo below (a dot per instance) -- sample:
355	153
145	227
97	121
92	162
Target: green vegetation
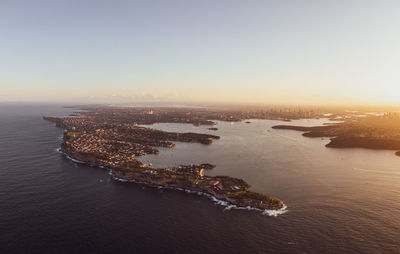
71	135
250	195
132	164
177	176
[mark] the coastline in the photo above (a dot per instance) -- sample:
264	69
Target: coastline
340	137
98	143
226	204
94	139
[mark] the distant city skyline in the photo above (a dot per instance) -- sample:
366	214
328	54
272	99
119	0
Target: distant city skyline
226	51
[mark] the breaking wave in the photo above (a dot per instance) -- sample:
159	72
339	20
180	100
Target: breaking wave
69	157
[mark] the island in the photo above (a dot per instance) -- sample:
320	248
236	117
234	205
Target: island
369	131
114	138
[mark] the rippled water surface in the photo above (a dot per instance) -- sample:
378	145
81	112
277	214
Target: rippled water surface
339	200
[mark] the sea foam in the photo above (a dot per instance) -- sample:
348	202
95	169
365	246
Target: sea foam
69	157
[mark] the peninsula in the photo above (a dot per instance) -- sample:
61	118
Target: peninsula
112	138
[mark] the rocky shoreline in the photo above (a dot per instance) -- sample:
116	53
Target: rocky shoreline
224	188
228	206
241	198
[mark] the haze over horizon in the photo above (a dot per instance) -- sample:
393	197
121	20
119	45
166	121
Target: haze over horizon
290	52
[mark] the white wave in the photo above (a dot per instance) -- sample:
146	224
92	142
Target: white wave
69	157
77	161
275	213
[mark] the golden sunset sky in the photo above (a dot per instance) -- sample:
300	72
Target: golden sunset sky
312	52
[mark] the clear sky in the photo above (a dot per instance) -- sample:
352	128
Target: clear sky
206	50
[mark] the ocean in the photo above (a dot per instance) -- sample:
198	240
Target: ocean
339	200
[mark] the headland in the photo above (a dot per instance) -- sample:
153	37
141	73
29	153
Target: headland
113	139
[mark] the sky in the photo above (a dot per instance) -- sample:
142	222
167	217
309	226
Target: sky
235	51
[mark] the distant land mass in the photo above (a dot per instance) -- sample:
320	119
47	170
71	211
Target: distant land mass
365	131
